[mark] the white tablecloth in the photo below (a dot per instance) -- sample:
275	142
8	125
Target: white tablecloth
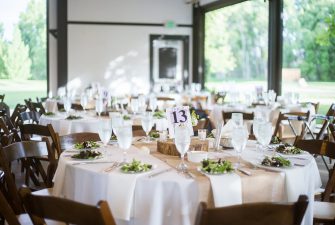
169	198
87	123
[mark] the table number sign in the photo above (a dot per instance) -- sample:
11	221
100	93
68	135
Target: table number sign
178	115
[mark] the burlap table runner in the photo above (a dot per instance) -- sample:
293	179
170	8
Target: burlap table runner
261	186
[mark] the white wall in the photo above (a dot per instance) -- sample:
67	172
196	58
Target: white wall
114	55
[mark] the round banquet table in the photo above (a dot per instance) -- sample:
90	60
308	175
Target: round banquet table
172	197
88	123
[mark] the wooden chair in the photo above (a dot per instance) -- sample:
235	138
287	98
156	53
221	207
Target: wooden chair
246	116
316	105
74	106
29	130
289	117
2	97
7	212
5	108
254	214
64	210
322	134
165	99
23	151
37	107
67	141
324	211
32	117
15	117
8	133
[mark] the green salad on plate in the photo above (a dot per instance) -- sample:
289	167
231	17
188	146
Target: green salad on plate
219	166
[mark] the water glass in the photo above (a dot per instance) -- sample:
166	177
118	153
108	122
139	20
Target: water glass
116	121
264	133
182	141
67	104
84	101
153	103
99	106
147	124
124	139
202	133
134	104
239	141
105	132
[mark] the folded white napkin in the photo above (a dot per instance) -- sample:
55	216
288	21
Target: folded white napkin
122	193
227	189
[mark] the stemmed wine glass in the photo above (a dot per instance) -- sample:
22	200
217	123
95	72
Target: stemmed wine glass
153	103
255	127
116	120
239	141
124	139
182	141
147	124
84	101
99	106
105	132
134	104
67	104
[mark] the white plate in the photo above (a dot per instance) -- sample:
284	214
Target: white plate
82	149
277	169
91	159
133	172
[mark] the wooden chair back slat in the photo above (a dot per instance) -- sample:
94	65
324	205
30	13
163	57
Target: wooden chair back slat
318	147
64	210
246	116
292	116
28	130
254	214
67	141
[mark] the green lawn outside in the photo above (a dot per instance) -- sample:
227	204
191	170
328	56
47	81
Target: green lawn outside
17	91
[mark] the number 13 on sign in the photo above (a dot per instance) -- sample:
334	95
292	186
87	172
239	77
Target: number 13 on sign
179	115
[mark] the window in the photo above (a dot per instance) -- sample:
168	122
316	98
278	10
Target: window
309	50
23	61
236	46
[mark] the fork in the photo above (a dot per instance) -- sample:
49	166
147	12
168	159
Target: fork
112	167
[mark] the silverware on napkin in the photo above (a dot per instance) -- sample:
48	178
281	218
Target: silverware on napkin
90	162
159	172
112	167
244	171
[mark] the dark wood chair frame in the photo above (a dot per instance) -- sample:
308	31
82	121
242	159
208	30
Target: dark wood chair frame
64	210
254	213
22	151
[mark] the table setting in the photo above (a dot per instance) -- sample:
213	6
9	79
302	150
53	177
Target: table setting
145	186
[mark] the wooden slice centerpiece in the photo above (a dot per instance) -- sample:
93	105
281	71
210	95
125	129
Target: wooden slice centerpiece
169	148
